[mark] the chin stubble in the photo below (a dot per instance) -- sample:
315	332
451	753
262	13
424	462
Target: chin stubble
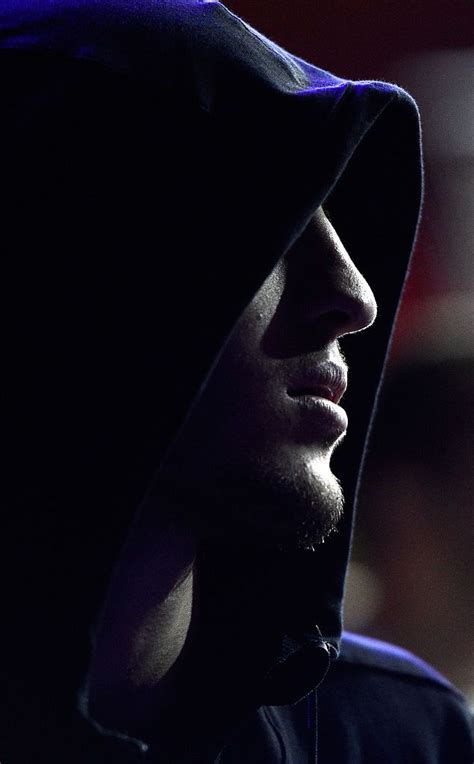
288	511
261	506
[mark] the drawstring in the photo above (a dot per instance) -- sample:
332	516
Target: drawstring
312	716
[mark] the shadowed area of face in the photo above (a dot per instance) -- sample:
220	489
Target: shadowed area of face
252	461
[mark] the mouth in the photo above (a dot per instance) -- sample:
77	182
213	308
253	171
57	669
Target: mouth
319	419
315	392
315	395
326	380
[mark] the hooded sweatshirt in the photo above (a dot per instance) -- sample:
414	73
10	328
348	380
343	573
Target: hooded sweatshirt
135	136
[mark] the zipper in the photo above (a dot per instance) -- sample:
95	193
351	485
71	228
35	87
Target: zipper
312	715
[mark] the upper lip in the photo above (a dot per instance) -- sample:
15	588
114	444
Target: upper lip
326	380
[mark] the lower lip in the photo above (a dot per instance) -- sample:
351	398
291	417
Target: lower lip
328	416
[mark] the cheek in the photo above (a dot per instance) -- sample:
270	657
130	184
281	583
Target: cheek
245	343
236	401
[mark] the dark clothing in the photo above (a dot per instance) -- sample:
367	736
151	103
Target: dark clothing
120	119
381	704
377	704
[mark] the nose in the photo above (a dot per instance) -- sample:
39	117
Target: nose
333	294
349	303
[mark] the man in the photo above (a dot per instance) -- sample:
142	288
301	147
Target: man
189	213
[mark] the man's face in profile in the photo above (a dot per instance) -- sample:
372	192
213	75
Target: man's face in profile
252	462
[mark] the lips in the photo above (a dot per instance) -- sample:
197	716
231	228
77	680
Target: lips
325	380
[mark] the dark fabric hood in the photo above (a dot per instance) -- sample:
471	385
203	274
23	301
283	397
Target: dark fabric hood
135	136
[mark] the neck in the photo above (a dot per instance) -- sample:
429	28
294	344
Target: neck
143	626
176	627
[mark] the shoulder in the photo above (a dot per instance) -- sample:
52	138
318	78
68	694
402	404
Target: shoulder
374	654
389	704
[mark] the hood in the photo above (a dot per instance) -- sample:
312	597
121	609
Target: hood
136	136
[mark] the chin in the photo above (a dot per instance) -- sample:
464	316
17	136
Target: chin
283	503
295	509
